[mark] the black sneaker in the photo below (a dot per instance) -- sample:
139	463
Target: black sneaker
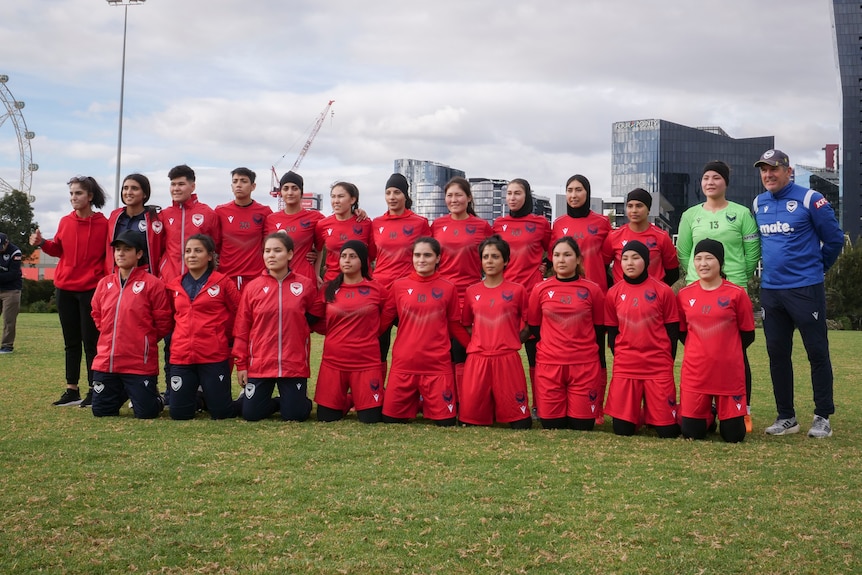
88	400
69	397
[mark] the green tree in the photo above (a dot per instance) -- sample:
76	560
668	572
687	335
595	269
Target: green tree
16	220
844	286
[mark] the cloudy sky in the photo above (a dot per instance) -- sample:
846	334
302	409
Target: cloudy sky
499	89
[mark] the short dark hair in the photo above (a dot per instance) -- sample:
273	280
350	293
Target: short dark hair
182	171
244	172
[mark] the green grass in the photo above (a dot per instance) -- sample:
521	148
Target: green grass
81	495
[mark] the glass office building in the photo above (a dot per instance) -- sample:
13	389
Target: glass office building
427	180
847	26
667	160
488	198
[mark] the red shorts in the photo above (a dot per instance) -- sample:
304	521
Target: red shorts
699	405
658	397
494	387
403	390
366	388
567	390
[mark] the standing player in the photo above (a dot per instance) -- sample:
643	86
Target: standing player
394	234
132	313
80	244
716	324
350	351
664	266
242	224
495	313
272	336
140	218
566	313
332	231
729	223
643	327
426	307
298	223
204	303
11	284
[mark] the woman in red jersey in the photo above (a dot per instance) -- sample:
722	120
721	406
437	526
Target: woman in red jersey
394	233
716	325
139	218
350	373
643	328
460	232
566	313
272	336
80	243
528	236
298	223
132	313
426	307
332	231
204	303
495	313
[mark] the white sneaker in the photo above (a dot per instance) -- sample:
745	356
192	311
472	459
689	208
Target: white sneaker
783	427
820	428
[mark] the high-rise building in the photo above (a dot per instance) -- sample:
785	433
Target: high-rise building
847	26
667	160
488	197
542	207
427	180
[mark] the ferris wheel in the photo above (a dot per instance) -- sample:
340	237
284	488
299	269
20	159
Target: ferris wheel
11	111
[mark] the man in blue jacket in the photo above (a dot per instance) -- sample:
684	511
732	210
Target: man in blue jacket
800	240
10	291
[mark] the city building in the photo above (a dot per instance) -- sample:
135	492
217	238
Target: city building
488	197
312	201
666	159
427	180
821	180
847	26
542	207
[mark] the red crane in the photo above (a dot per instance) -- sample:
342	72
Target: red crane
276	193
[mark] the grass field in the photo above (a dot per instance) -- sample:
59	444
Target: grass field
81	495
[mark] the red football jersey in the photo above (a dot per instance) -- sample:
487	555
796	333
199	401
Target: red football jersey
640	311
424	307
352	320
590	233
242	233
713	362
662	252
300	228
497	315
393	238
332	233
528	238
460	262
567	313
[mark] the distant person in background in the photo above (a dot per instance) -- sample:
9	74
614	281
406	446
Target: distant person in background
11	283
298	223
131	310
345	223
243	227
731	224
140	218
800	240
80	244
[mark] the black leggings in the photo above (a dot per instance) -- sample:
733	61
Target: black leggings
79	332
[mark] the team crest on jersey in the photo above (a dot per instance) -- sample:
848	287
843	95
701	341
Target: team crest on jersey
257	219
791	206
296	288
550	294
730	217
724	301
471	229
583	293
198	220
230	219
357	230
142	226
305	223
99	387
651	243
408	230
650	295
214	291
176	382
138	287
364	291
592	229
530	228
436	293
249	390
156	226
508	295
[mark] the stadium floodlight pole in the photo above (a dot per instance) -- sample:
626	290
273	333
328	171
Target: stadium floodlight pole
125	4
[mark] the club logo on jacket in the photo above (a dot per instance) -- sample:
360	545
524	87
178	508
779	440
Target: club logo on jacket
138	287
198	220
436	293
408	230
156	226
508	295
791	206
296	288
214	290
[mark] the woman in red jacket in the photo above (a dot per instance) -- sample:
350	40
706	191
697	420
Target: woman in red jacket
80	244
132	313
272	336
204	302
140	218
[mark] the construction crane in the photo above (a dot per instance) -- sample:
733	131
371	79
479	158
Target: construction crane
276	190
